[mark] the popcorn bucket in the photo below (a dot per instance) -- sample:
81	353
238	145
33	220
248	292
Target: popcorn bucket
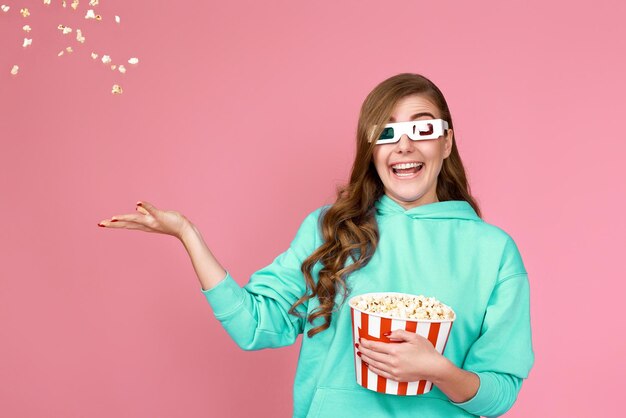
372	327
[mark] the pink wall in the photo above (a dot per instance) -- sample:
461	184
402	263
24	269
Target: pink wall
241	115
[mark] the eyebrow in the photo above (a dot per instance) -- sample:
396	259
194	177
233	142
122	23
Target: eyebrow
415	116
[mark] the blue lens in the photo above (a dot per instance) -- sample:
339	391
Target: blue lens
387	133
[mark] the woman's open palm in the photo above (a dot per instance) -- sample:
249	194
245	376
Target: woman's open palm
150	219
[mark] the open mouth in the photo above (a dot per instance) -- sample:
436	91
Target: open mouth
407	170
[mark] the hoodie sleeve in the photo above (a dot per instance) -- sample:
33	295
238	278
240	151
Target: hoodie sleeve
502	356
256	315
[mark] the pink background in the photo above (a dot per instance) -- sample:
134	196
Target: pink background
242	116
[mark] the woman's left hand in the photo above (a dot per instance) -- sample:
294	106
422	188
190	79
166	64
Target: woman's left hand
410	359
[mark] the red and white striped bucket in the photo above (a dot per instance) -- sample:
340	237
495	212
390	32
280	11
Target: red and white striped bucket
373	326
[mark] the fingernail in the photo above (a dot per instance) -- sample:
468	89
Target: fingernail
386	334
358	353
366	364
113	220
356	345
99	224
138	203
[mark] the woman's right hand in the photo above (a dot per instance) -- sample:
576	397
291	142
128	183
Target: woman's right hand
150	219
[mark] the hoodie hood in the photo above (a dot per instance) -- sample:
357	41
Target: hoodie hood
449	209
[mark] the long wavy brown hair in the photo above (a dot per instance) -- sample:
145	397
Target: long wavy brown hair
349	226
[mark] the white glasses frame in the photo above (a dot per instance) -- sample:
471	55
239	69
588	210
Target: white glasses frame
413	128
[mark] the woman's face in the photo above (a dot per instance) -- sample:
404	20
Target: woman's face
420	187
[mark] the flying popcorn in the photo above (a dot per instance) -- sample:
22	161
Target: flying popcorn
64	29
92	15
80	37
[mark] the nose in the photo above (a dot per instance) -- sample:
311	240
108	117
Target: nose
405	144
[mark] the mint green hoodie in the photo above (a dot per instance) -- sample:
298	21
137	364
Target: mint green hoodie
442	250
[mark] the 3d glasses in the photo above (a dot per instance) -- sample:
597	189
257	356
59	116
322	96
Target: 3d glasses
417	130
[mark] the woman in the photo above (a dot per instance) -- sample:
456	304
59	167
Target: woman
412	228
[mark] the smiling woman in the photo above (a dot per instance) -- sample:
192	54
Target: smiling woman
409	168
406	222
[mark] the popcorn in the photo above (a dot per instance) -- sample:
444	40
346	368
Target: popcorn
106	59
375	315
27	42
26	28
122	69
14	70
117	89
64	29
46	2
69	49
25	12
94	55
117	19
79	36
93	2
113	67
92	15
403	306
133	61
74	4
5	8
64	3
60	53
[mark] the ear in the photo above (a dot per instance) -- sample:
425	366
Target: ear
447	148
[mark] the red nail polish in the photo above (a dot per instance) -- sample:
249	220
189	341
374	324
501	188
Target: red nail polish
386	334
101	225
358	353
356	345
113	220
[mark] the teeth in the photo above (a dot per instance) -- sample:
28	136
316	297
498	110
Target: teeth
406	165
